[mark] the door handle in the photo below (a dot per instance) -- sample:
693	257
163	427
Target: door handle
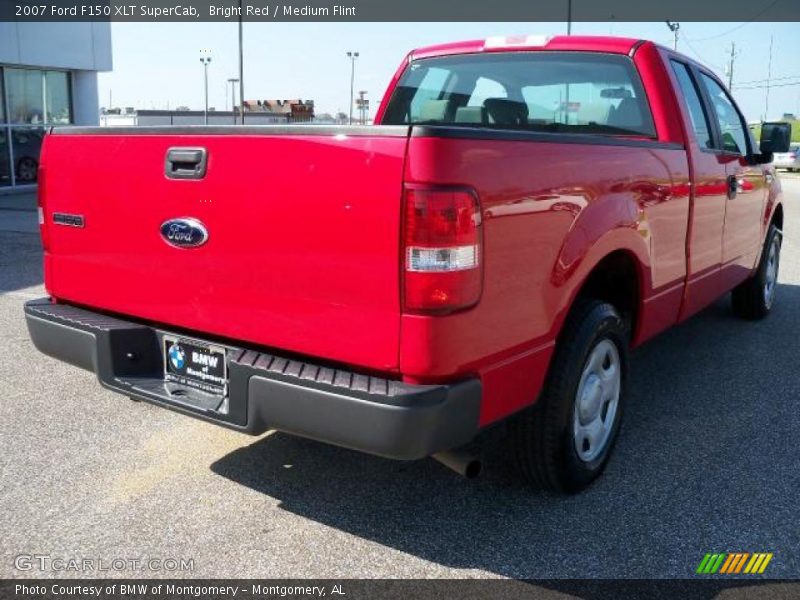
186	163
735	185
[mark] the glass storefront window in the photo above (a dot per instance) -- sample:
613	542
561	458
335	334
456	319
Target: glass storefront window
33	100
25	97
57	102
2	100
5	164
27	143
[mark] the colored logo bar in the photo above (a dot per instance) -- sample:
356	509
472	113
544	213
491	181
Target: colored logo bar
732	563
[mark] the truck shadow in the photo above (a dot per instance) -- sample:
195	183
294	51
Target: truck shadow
698	405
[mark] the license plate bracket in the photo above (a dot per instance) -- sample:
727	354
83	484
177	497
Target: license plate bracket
195	364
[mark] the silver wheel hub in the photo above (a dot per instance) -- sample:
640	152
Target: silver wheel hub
597	400
771	275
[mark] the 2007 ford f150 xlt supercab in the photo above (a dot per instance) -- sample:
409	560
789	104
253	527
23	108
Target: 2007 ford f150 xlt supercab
524	211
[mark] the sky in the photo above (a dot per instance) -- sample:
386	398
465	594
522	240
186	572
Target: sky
157	65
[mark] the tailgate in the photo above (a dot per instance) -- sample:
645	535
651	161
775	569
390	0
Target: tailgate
303	226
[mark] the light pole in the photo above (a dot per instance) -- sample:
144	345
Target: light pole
205	58
233	81
241	63
569	17
352	56
673	27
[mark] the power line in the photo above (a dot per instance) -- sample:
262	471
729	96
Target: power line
702	60
739	26
771	79
761	87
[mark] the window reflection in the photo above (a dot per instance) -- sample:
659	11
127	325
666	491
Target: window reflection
36	99
57	102
5	164
25	96
27	143
2	102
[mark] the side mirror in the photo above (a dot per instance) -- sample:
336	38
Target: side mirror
775	137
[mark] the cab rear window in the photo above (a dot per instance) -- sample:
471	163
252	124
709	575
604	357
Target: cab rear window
576	92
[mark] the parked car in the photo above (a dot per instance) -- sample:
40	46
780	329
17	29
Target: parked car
27	143
398	288
788	160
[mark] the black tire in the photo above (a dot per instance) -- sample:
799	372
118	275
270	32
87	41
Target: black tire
751	299
544	436
27	169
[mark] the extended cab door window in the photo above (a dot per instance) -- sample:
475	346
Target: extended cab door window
732	128
697	114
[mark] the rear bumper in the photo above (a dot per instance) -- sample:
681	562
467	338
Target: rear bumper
265	391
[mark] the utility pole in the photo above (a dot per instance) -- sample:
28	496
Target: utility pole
241	64
352	56
233	83
674	26
769	76
205	58
730	65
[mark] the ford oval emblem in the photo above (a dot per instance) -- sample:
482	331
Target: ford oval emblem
184	232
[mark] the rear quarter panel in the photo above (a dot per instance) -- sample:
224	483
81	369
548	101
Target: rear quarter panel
551	212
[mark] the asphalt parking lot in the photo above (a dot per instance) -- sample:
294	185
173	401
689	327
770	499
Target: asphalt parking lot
706	462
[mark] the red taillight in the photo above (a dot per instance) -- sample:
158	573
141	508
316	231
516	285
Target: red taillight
792	156
442	257
42	202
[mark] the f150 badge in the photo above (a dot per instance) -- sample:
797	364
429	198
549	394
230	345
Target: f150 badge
184	232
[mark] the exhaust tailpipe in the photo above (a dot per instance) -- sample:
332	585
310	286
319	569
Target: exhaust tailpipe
463	463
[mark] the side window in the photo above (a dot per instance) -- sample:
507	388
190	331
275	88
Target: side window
731	124
702	131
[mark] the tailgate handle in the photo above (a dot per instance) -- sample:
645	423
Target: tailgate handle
186	163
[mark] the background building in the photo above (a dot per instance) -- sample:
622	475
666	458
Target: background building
295	110
48	76
256	112
118	117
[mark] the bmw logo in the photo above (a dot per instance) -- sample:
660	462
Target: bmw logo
176	356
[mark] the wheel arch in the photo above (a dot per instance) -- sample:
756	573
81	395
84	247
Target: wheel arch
619	273
777	216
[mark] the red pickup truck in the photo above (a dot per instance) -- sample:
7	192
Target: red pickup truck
524	212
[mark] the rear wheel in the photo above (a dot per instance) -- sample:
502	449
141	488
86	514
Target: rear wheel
564	441
753	298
